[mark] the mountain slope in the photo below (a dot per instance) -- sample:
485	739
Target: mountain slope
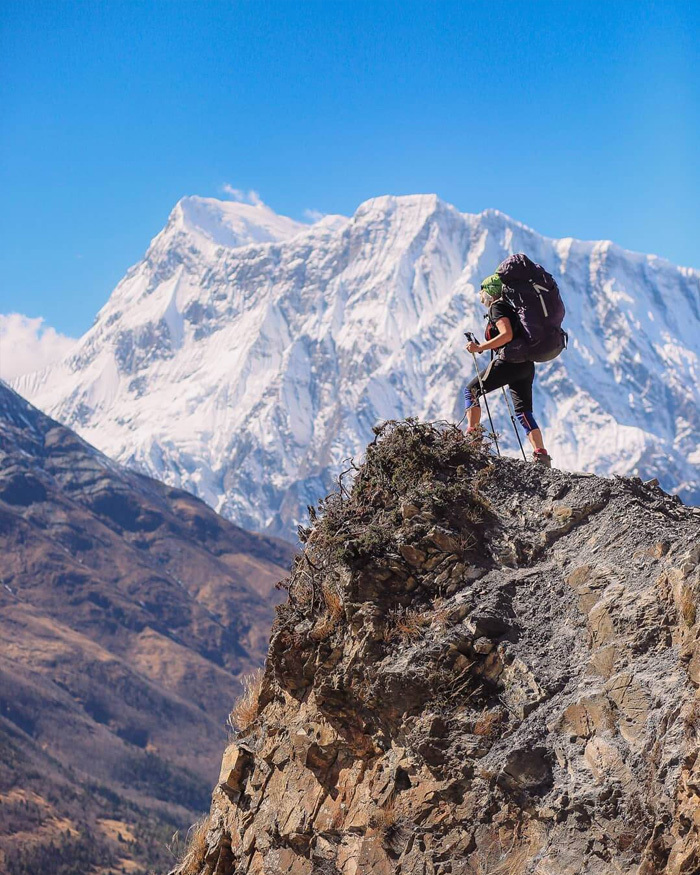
483	667
247	372
128	612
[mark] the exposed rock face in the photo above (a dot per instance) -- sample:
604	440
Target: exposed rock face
483	667
128	612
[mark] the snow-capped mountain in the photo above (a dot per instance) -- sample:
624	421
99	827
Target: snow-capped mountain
248	355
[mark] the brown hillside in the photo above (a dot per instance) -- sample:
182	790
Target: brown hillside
128	613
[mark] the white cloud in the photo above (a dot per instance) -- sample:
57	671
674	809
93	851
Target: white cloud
27	345
243	197
314	215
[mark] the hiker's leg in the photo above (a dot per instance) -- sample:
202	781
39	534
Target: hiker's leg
491	378
535	438
473	416
532	430
472	407
521	393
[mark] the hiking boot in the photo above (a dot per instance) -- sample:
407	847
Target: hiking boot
542	457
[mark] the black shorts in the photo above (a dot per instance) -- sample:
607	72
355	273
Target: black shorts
518	376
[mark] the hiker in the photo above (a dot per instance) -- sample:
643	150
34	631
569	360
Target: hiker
513	349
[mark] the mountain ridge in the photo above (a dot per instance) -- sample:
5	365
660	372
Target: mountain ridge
210	365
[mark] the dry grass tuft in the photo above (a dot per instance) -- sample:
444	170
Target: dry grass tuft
407	624
334	612
333	601
245	709
301	592
482	476
473	515
194	856
389	826
384	819
431	464
439	613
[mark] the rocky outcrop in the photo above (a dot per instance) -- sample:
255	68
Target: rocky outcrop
482	667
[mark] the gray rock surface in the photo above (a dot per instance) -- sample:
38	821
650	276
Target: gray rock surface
483	667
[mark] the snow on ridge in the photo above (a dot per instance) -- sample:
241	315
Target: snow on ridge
600	244
233	223
246	374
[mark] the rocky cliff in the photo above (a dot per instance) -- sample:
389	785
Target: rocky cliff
482	667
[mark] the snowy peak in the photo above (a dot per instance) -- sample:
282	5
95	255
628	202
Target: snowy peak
404	215
231	223
417	205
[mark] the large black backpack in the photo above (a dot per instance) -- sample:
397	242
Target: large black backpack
535	295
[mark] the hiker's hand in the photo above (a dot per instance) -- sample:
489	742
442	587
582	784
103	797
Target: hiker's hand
473	347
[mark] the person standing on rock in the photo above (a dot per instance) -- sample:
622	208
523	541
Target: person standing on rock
512	346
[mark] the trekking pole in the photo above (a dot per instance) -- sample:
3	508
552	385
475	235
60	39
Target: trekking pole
471	337
511	411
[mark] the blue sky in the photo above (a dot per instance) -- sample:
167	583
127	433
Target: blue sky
577	118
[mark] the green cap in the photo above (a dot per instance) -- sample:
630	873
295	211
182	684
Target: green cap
493	286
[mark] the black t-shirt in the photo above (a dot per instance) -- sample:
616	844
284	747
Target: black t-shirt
499	310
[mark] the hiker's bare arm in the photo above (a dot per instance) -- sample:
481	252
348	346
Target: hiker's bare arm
505	335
